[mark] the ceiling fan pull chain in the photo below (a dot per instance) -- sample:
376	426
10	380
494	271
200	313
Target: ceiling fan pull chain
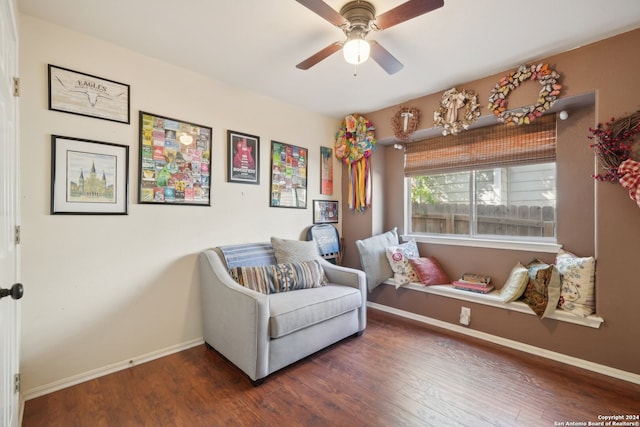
355	71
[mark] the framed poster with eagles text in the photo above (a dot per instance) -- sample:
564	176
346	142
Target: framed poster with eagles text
79	93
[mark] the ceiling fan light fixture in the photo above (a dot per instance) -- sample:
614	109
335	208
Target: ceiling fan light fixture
356	50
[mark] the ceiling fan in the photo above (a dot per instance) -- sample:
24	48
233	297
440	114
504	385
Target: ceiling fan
357	18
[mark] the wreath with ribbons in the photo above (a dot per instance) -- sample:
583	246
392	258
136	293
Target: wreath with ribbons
448	116
355	142
548	94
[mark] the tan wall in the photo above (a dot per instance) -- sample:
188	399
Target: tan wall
611	230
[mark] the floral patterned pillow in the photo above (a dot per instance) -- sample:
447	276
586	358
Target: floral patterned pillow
398	257
577	281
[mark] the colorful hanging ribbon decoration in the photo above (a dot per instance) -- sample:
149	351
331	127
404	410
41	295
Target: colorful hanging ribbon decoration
355	142
629	172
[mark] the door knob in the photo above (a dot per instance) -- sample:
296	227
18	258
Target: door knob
16	291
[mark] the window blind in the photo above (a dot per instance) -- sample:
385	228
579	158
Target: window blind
484	148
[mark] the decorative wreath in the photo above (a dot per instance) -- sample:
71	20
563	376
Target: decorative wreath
447	115
355	139
547	96
615	143
412	117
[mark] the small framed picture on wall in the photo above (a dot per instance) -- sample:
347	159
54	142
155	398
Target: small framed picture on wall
243	158
325	211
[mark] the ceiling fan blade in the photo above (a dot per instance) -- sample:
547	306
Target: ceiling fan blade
324	11
319	56
406	11
382	56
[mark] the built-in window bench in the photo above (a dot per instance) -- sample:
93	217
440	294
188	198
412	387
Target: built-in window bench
491	299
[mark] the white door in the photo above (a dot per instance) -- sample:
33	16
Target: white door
9	256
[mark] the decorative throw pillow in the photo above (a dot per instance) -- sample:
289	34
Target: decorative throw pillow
287	251
429	271
577	283
269	279
398	257
543	290
516	284
373	258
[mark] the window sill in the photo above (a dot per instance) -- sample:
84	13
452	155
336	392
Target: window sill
491	299
545	247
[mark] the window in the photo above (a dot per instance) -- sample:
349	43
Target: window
496	182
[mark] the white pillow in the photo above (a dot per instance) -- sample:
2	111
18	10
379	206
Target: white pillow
577	281
515	284
398	257
373	258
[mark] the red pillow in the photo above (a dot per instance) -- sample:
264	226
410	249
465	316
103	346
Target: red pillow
429	271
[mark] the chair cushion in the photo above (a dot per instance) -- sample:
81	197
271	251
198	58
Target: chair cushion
293	311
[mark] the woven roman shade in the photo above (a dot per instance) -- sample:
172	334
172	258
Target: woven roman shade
484	148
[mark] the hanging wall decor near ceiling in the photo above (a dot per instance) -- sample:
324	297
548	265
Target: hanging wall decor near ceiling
458	111
547	96
355	143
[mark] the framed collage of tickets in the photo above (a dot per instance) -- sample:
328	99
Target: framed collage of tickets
288	175
175	161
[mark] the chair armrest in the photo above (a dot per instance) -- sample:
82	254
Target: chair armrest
349	277
235	320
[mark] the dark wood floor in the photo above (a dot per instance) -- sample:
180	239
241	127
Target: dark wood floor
398	373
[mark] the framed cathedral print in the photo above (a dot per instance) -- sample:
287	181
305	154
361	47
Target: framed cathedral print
175	161
88	177
288	176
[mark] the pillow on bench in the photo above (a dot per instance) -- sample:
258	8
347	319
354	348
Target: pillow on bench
274	278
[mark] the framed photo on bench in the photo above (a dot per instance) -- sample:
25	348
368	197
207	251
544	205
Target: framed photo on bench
288	176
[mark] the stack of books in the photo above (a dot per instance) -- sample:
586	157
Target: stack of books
474	283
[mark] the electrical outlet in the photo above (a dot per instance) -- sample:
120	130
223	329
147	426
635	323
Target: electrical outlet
465	316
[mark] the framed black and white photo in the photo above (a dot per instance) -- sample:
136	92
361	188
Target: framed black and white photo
87	95
88	177
243	158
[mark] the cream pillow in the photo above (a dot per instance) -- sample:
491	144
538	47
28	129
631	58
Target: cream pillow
577	283
515	284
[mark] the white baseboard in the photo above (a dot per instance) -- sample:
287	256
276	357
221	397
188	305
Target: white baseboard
106	370
558	357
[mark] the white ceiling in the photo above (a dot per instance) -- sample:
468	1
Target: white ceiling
256	44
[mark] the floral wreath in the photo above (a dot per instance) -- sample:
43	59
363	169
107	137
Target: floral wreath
525	115
412	116
614	144
447	115
355	139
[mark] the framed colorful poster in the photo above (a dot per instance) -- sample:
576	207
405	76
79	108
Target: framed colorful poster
88	177
288	176
86	95
175	161
326	170
243	161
